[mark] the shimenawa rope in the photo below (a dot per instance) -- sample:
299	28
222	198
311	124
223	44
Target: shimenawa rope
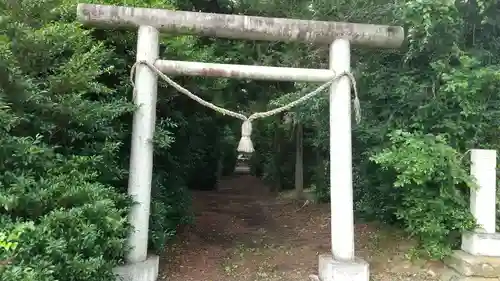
245	145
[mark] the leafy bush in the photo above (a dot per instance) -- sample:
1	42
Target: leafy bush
428	189
65	127
78	225
60	139
442	81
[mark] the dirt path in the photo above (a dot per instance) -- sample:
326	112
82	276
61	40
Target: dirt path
242	233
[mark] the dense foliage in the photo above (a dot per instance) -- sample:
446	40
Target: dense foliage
64	133
423	106
66	113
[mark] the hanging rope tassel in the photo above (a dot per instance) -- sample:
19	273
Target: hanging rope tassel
246	145
357	109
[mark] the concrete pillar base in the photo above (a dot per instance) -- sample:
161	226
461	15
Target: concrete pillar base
481	244
333	270
142	271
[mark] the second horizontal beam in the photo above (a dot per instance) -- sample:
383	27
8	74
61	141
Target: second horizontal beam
240	71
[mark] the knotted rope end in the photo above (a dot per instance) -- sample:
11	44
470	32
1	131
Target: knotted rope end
246	145
357	110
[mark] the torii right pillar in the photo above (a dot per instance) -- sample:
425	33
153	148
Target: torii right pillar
341	264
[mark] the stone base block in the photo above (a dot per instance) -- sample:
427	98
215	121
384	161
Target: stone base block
452	275
142	271
470	265
481	244
333	270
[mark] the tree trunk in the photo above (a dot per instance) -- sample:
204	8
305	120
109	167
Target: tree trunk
276	186
299	162
220	170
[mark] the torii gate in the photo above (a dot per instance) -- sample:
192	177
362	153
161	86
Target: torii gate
339	265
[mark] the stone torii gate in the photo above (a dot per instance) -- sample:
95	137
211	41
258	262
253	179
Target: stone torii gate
339	265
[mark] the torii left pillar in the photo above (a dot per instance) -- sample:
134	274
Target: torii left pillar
140	266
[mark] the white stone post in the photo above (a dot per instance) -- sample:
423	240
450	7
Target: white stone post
341	264
482	200
484	241
479	258
341	200
141	155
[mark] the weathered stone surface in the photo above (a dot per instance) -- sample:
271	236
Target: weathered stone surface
142	271
481	244
333	270
452	275
470	265
241	26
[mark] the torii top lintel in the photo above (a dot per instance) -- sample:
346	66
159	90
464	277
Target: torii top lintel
240	26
